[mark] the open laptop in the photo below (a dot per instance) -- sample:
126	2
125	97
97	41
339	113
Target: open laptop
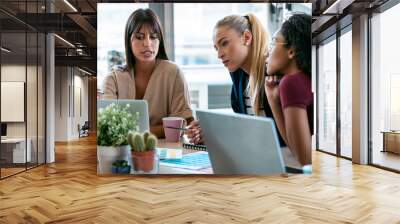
241	144
135	106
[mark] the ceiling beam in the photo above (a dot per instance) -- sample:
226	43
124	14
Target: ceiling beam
86	26
81	61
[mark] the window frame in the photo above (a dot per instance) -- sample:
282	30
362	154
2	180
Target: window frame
334	37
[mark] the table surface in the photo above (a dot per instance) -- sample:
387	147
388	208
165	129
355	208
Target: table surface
288	158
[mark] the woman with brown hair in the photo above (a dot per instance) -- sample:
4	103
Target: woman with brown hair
148	73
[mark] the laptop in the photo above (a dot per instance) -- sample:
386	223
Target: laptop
241	144
135	106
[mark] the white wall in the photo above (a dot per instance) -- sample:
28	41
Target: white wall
79	117
61	103
69	85
12	73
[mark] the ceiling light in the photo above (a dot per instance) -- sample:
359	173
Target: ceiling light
79	51
70	5
84	71
5	49
64	40
338	6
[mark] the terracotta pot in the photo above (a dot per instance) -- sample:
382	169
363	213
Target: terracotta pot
143	161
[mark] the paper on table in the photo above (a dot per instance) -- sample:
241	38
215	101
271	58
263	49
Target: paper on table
192	161
167	153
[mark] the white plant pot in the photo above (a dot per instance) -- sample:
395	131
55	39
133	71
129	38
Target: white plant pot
106	155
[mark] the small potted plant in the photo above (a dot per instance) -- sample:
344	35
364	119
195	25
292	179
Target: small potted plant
143	150
121	166
114	122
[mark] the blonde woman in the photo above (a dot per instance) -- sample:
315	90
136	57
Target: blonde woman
241	43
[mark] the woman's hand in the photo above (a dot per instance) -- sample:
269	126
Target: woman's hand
194	133
271	85
272	90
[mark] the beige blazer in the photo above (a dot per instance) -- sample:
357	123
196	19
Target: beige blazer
167	92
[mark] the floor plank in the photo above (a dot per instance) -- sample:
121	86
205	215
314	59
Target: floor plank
69	191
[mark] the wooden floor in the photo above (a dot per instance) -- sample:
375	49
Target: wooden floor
5	172
70	191
10	171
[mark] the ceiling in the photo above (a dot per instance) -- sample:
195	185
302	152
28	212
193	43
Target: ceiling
76	24
332	15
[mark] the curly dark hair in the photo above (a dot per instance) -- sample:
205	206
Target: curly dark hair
297	32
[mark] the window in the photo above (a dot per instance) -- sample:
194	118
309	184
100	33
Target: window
111	21
346	94
327	96
385	86
209	81
194	25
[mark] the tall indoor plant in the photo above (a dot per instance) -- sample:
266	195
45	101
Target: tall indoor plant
114	122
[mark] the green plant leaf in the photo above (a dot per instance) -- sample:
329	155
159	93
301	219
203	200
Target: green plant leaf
114	123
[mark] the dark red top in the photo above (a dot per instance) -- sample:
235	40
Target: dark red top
295	91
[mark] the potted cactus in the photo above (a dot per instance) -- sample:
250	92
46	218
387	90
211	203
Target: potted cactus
143	150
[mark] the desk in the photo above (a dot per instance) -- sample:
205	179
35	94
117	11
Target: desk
288	158
13	150
391	141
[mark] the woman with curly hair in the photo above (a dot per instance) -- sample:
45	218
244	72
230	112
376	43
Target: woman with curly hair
290	95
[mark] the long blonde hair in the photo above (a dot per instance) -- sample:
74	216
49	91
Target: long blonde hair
257	52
